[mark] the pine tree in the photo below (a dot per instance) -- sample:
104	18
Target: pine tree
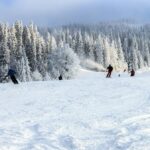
32	53
4	50
21	65
79	45
51	43
99	50
40	56
12	44
63	62
133	53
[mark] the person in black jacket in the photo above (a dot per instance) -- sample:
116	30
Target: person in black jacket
60	77
132	73
109	69
11	73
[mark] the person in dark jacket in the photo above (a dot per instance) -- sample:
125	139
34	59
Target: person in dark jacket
60	77
132	73
109	69
11	73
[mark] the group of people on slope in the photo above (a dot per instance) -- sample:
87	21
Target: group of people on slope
110	69
11	73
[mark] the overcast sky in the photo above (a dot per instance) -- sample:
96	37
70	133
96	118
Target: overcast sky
57	12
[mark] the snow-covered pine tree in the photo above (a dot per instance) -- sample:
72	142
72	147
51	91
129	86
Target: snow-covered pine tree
79	45
32	53
121	60
146	54
64	62
106	52
20	55
133	53
40	56
4	50
12	44
99	50
51	43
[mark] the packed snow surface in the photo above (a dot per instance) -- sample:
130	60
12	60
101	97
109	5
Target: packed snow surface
89	112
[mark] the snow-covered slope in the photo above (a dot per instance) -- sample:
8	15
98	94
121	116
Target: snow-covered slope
86	113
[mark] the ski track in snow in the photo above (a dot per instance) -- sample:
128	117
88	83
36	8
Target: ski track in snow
87	113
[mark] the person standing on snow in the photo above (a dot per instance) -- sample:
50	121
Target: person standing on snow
109	69
132	73
60	77
11	73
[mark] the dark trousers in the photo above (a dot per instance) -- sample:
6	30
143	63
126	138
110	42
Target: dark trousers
108	74
14	80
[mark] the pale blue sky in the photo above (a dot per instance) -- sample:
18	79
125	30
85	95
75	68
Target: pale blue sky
56	12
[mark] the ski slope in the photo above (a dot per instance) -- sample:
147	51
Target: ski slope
86	113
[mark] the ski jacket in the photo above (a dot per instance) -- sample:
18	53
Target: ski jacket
110	68
11	72
132	72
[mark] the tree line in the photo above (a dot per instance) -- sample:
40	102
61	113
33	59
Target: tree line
46	53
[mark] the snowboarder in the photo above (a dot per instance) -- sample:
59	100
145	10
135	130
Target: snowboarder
109	69
132	73
11	73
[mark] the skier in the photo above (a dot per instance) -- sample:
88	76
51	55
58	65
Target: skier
109	69
11	73
132	73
